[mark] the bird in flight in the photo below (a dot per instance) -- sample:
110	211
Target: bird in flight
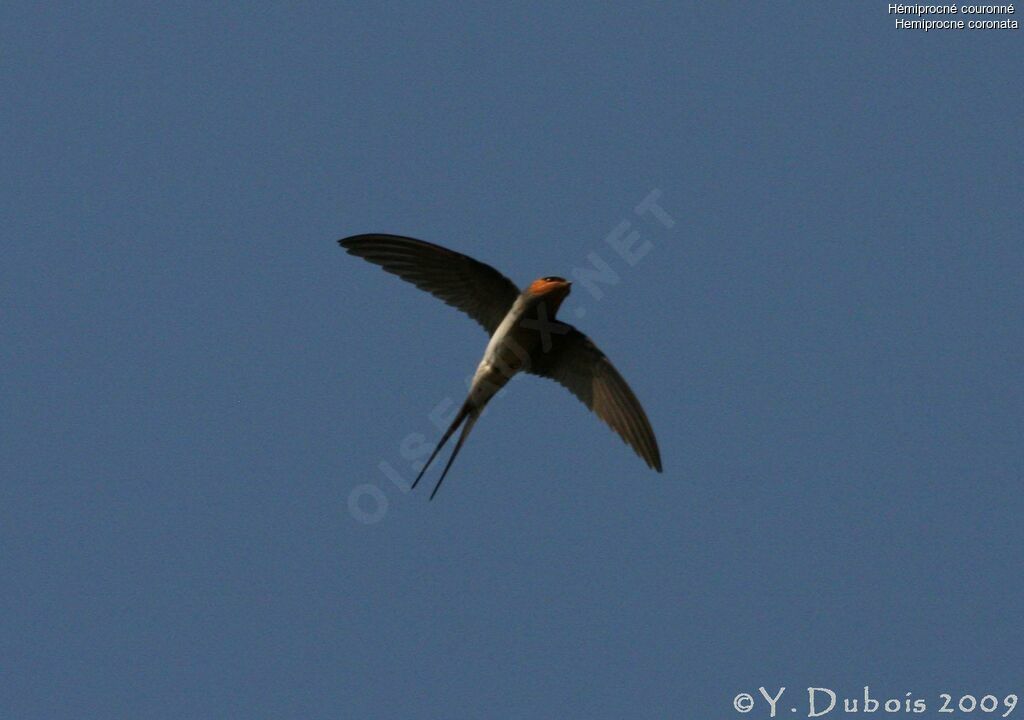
525	337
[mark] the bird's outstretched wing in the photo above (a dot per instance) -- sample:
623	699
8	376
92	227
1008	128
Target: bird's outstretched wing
476	289
578	364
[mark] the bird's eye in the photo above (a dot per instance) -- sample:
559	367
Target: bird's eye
552	278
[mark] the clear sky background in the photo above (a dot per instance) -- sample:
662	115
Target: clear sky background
196	379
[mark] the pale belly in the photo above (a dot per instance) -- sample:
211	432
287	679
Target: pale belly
507	353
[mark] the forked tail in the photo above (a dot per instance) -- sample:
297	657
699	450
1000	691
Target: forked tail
465	414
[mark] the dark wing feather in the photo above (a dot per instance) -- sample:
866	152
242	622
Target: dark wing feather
578	364
476	289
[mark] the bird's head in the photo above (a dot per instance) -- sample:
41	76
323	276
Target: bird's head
552	290
550	286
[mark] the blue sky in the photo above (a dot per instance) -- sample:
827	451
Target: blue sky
196	379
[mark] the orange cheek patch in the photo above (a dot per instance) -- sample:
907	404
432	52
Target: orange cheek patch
539	287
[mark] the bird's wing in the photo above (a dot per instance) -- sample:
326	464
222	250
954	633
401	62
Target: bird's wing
578	364
476	289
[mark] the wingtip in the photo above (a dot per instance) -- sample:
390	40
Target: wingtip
356	243
654	461
354	240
